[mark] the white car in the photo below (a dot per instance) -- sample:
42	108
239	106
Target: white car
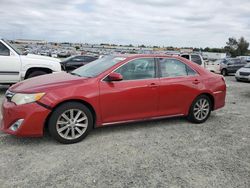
243	74
214	66
15	66
196	58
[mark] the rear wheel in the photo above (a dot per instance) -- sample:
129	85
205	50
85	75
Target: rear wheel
224	72
70	123
36	73
200	109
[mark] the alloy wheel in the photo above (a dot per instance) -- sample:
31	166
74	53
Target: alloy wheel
72	124
201	109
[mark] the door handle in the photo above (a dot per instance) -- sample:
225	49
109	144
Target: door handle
153	85
196	81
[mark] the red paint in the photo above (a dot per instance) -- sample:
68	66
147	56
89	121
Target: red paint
120	101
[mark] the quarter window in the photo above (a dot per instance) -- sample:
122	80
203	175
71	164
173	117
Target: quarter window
174	68
4	51
138	69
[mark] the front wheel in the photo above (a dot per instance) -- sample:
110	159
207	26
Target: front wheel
70	122
200	109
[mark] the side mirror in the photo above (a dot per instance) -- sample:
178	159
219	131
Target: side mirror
115	77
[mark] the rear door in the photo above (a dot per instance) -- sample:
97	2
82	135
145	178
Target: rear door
179	85
10	65
133	98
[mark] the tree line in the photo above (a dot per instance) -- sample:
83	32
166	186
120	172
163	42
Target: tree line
233	47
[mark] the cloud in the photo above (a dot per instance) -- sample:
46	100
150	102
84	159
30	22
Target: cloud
159	22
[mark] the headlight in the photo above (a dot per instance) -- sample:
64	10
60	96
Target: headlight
21	98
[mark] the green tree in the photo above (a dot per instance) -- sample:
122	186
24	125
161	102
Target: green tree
231	46
242	48
237	48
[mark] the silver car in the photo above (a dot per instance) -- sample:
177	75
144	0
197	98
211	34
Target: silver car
243	74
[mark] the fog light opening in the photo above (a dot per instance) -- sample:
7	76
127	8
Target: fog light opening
16	125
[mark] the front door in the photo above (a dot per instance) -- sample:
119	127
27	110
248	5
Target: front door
133	98
9	65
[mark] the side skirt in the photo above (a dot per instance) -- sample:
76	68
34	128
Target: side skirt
142	120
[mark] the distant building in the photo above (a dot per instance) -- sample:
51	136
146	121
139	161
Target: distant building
30	41
213	55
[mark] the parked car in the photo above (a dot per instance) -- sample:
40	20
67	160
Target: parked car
75	62
111	90
243	74
16	66
244	58
196	58
215	66
231	65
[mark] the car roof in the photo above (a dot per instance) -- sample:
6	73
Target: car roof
83	56
143	55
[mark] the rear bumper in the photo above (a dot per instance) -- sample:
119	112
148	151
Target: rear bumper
219	99
33	115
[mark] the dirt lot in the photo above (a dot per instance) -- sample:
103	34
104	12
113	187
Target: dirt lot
165	153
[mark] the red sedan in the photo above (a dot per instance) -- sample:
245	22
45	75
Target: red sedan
111	90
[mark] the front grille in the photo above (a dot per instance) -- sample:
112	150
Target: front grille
244	73
9	95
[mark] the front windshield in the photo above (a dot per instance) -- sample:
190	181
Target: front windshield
247	65
18	51
98	66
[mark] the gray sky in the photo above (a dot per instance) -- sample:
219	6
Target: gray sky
151	22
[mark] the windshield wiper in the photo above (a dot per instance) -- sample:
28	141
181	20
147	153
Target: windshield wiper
75	74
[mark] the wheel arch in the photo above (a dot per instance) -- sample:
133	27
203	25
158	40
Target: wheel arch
32	69
88	105
210	96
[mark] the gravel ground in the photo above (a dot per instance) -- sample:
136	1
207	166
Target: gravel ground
165	153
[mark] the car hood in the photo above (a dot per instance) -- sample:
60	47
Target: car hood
244	69
40	57
47	82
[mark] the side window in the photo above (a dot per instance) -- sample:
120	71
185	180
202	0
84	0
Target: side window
196	59
237	61
138	69
89	59
77	59
190	71
4	51
174	68
185	56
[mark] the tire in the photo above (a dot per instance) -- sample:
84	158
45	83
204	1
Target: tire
224	72
36	73
193	115
61	128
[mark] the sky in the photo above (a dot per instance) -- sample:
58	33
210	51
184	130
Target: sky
189	23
